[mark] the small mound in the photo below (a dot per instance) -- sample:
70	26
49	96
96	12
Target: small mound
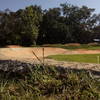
93	44
72	44
13	46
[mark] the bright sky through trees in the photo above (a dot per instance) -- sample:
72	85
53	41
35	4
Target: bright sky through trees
18	4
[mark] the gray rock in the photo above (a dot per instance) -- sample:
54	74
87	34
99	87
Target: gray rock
14	66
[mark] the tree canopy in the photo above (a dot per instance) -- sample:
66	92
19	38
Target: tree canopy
64	24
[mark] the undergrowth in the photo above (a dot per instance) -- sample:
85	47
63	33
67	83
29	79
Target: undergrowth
49	82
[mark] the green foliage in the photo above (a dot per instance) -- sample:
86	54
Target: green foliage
68	24
21	27
30	18
64	24
51	83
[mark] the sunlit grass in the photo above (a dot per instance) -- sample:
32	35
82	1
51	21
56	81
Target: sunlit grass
87	58
73	47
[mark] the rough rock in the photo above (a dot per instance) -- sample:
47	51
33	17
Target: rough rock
14	66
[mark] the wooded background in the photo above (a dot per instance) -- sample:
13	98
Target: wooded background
64	24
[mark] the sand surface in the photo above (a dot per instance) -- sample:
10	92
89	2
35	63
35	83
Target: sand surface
25	52
26	55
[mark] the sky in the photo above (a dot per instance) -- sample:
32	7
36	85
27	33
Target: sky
14	5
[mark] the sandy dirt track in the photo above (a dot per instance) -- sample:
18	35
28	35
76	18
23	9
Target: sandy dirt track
22	53
25	53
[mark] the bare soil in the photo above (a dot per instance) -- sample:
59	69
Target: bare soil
16	52
13	46
72	44
26	55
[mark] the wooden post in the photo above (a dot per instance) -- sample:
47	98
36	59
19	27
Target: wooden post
43	55
98	59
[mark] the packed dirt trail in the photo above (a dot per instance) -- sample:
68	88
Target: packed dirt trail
26	52
20	53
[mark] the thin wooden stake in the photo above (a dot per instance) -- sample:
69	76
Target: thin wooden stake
98	59
43	56
36	57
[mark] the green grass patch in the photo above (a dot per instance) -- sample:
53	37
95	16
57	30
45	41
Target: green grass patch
73	47
86	58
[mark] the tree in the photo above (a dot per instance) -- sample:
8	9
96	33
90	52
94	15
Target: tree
64	24
80	22
52	29
30	23
21	27
6	27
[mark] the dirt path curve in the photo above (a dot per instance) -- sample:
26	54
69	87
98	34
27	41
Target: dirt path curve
25	53
18	53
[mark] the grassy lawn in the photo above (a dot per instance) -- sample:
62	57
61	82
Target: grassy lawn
87	58
72	47
81	47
